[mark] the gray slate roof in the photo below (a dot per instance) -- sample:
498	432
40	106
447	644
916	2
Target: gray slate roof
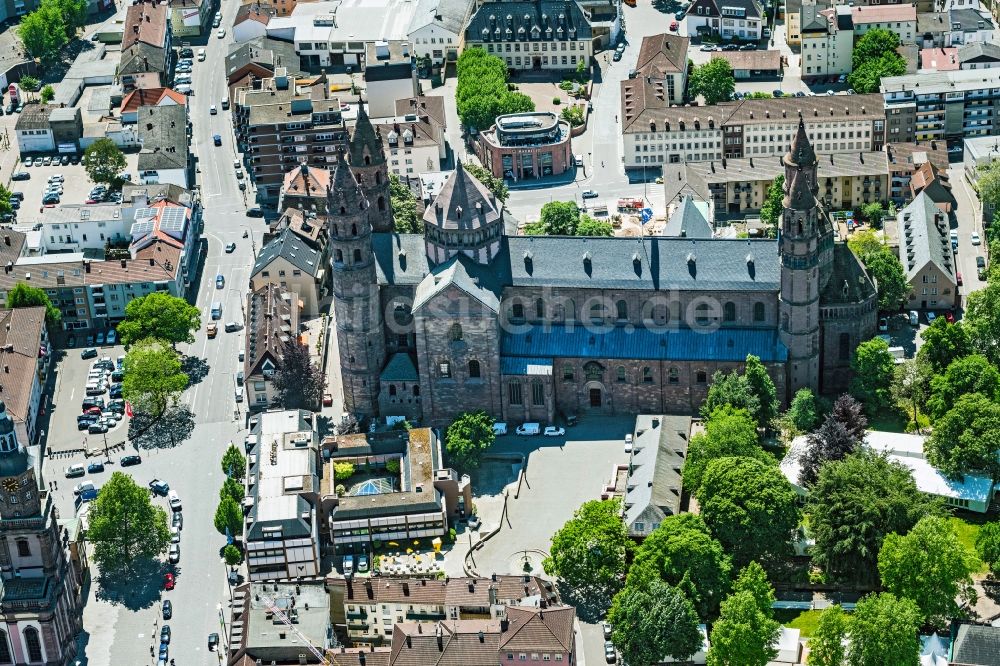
267	53
687	221
400	368
921	235
455	206
400	258
288	245
968	20
655	476
534	10
449	14
163	134
976	645
465	274
978	52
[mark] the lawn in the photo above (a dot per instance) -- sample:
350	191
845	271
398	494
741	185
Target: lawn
967	528
803	620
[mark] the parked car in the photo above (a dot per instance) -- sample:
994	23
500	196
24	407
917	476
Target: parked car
21	175
348	564
883	324
230	248
177	520
159	487
238	394
610	655
130	460
914	318
168	584
95	467
931	316
553	431
97	429
174	554
165	634
167	609
255	212
201	55
74	471
949	317
528	429
174	500
28	161
220	281
362	563
112	337
220	33
589	194
82	487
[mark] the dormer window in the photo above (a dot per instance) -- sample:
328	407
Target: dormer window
407	137
393	138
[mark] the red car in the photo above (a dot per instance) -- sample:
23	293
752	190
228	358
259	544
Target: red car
949	317
96	411
168	582
673	26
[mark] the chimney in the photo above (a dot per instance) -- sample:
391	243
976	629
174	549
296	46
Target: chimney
124	265
6	239
409	642
440	639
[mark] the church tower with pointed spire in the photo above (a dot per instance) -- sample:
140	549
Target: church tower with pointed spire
800	249
358	316
367	160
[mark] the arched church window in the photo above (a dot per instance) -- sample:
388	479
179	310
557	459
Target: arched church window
354	230
844	347
621	310
539	309
647	375
381	203
357	256
338	256
729	311
392	390
368	160
33	644
758	311
5	657
456	332
621	373
474	369
673	376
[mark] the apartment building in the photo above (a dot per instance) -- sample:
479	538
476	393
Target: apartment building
414	138
146	42
736	186
664	58
728	19
190	18
899	19
305	189
283	123
827	38
25	353
165	155
437	30
79	227
389	75
979	55
288	261
653	134
925	251
905	159
533	34
282	526
942	105
272	324
257	635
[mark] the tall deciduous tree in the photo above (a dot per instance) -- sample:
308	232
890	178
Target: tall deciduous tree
749	507
854	504
988	546
966	440
229	516
841	434
47	94
159	315
982	319
234	463
404	207
771	210
886	269
43	32
104	161
153	377
873	58
714	81
874	369
298	381
558	218
468	437
970	374
930	566
883	632
910	386
944	343
826	645
652	622
753	579
232	488
588	226
728	432
682	546
24	296
588	552
482	93
744	635
762	386
125	526
492	183
734	389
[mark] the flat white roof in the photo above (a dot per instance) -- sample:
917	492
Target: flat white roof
372	20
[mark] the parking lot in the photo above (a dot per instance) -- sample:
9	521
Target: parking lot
64	436
76	186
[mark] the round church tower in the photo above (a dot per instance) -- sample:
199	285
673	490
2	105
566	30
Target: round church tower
464	218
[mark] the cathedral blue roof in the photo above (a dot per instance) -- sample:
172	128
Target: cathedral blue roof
685	344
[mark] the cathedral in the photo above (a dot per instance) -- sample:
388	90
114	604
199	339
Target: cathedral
531	328
39	595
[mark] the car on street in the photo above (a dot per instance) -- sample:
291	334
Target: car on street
21	175
177	520
129	460
230	248
777	93
217	139
883	324
255	212
976	240
238	394
213	110
168	581
981	267
220	281
628	443
220	33
233	326
931	316
74	471
610	655
165	634
167	609
553	431
673	26
95	467
184	88
729	47
617	56
201	55
159	487
97	428
174	554
709	47
213	642
174	500
83	486
589	194
212	329
606	626
748	47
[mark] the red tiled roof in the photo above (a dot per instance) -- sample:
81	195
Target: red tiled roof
884	13
146	22
20	343
150	97
940	60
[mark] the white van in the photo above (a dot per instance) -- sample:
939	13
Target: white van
217	310
499	428
528	429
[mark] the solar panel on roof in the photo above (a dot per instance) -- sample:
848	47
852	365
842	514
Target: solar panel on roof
145	213
142	228
172	221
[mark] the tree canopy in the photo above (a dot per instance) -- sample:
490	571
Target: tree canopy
841	433
728	432
468	437
762	386
734	389
482	93
988	546
153	377
930	566
563	218
404	207
159	315
588	552
682	547
966	440
652	622
298	381
588	226
713	80
982	319
855	503
873	58
802	414
24	296
104	161
771	210
826	645
744	635
229	516
883	632
874	370
125	526
749	507
234	463
970	374
885	267
943	343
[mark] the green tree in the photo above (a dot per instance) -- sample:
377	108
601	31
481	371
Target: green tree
588	226
652	622
832	441
803	414
343	471
728	432
883	632
234	463
826	645
910	384
159	315
573	114
866	242
104	161
558	218
749	507
5	195
232	555
43	33
714	81
125	526
404	207
988	546
987	183
982	319
944	342
298	381
762	386
683	547
873	212
930	566
873	58
30	83
753	579
75	14
770	212
588	552
890	279
495	185
229	516
744	635
232	488
970	374
855	503
874	369
966	440
48	93
733	389
482	94
24	296
153	377
468	438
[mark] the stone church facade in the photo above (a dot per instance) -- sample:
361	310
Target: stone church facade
530	328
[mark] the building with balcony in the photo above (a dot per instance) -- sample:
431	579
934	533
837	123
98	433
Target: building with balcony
414	138
257	634
904	159
147	41
295	265
526	145
926	254
272	325
422	501
282	527
533	34
942	105
827	39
